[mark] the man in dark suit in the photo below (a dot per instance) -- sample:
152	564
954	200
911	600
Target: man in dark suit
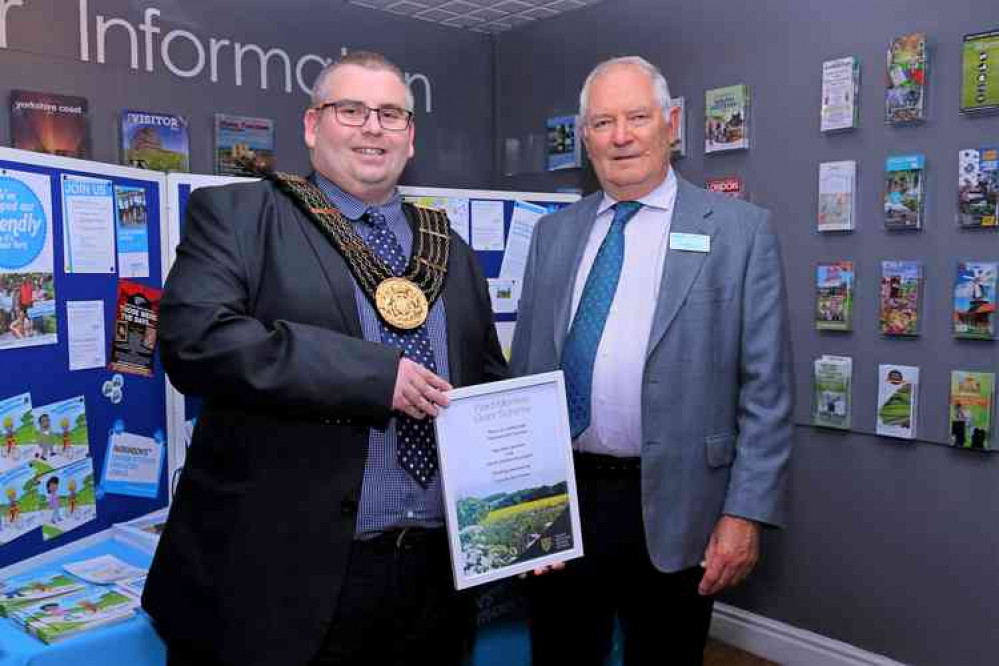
322	321
664	306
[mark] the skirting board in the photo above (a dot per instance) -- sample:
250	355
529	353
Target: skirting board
784	644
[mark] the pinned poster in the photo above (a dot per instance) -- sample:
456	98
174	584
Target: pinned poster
27	289
18	439
133	463
62	431
88	225
70	499
20	503
135	329
132	217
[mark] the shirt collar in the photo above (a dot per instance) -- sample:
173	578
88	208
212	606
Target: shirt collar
662	197
352	207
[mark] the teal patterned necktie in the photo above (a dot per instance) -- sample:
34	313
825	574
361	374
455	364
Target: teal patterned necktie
580	349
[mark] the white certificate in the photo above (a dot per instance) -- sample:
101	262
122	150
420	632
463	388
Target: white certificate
509	486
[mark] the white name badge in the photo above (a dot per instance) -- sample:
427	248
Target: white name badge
690	242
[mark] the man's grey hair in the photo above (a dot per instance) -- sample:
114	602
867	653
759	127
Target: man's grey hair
659	85
366	59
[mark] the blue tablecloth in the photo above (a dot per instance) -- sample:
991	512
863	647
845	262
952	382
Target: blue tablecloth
130	643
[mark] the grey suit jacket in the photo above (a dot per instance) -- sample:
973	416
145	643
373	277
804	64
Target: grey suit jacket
716	397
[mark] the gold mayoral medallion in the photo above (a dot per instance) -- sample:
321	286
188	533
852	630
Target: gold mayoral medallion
401	303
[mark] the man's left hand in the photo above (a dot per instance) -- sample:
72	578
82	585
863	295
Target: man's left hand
732	552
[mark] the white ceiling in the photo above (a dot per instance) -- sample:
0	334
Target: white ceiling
489	16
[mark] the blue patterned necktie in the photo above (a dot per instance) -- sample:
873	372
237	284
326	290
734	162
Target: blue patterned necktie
580	350
416	446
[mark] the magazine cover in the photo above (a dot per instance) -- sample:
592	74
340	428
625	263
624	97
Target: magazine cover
834	296
837	199
21	508
980	72
975	300
971	409
135	329
904	175
50	123
58	618
832	380
978	188
905	98
726	119
730	186
840	87
17	426
155	141
678	121
563	149
240	141
898	401
30	588
900	298
62	433
69	498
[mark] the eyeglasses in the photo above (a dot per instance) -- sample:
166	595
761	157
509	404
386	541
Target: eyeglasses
355	114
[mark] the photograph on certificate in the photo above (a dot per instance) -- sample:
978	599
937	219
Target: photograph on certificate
509	486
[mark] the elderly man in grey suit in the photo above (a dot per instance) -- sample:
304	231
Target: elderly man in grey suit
664	306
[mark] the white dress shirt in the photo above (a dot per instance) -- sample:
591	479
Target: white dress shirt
616	400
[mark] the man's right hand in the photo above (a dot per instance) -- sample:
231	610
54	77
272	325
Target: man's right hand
418	392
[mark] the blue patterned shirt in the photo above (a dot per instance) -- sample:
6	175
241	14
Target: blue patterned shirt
390	497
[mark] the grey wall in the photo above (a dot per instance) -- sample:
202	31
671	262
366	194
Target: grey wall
453	142
891	546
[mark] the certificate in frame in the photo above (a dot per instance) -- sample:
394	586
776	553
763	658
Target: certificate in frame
510	498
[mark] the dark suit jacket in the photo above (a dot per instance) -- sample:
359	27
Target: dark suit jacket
259	318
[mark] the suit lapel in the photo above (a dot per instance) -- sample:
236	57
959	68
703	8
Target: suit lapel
575	235
691	215
333	267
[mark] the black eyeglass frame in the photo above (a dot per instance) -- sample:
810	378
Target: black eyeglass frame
336	106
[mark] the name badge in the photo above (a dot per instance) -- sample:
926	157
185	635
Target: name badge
690	242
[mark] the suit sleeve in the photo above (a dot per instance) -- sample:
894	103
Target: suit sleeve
757	486
519	356
212	345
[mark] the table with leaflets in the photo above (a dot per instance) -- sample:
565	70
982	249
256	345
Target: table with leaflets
133	642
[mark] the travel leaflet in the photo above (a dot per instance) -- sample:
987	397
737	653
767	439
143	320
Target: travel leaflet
900	297
726	119
837	196
905	96
975	300
980	73
834	287
898	401
978	188
840	87
971	404
832	381
903	204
